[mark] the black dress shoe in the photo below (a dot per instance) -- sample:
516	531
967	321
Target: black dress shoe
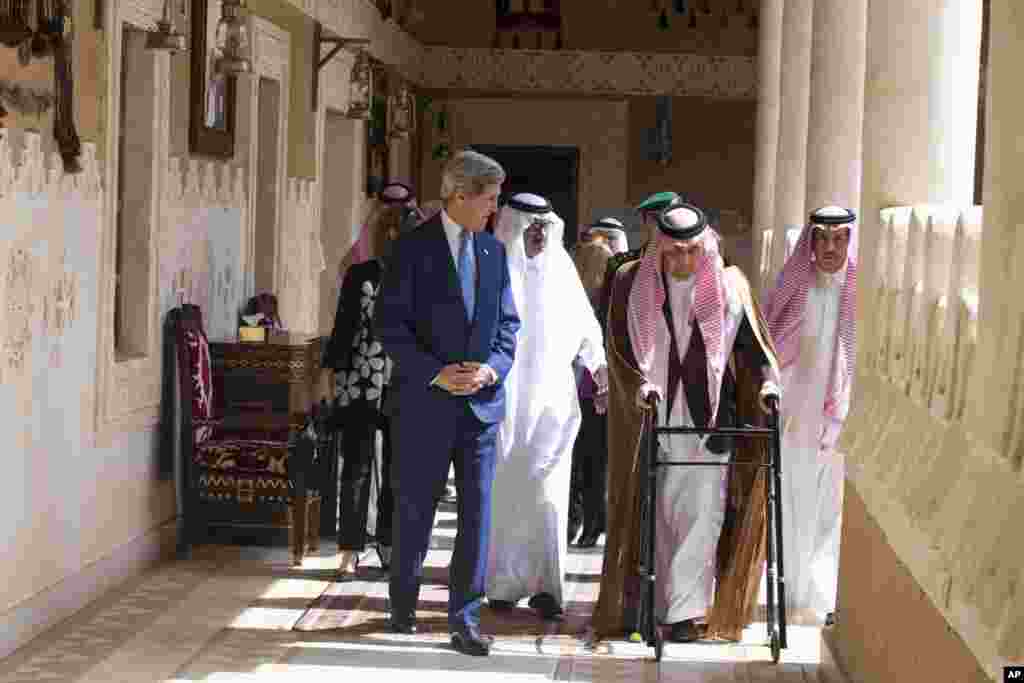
546	605
687	631
468	641
406	625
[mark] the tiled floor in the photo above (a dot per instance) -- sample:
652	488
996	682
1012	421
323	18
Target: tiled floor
228	615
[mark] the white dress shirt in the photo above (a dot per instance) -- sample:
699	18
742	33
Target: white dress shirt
453	231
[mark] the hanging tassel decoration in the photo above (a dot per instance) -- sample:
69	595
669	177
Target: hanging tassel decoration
68	143
681	6
693	20
663	20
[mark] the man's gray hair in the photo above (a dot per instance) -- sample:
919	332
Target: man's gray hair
470	172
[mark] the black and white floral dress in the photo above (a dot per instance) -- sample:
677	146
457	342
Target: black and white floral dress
362	370
369	369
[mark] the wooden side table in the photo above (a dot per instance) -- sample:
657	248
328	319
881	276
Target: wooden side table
277	383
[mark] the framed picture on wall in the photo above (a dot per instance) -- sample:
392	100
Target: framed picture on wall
211	130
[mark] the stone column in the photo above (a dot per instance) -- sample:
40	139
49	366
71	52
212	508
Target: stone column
1001	325
794	98
769	73
920	116
836	114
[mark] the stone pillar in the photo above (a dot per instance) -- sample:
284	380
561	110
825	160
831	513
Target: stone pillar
836	113
769	73
794	97
996	381
920	114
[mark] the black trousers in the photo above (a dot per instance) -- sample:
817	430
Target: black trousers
358	443
587	492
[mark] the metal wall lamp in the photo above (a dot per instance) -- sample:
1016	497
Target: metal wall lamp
361	81
233	39
165	38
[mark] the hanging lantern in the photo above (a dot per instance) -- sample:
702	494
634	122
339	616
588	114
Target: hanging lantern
233	39
401	115
360	90
165	38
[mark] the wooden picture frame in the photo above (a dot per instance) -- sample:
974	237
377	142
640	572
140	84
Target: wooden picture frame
211	130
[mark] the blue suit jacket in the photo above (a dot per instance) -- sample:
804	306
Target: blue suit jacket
421	320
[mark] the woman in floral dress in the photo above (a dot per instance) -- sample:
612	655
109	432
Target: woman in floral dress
361	376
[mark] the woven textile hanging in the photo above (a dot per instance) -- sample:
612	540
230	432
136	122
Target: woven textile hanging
17	21
40	29
64	132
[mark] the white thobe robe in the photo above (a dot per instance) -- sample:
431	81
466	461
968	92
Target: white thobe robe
812	471
530	495
690	499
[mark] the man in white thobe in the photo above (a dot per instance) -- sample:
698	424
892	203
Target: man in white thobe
691	500
684	329
811	315
535	442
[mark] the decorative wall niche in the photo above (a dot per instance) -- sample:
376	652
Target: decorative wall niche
128	389
268	97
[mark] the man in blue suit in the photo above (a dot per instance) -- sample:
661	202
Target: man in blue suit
446	317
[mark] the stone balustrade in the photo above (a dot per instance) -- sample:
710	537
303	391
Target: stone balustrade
924	301
924	476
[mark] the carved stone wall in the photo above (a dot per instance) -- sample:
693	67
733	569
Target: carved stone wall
303	257
51	297
200	242
947	502
39	292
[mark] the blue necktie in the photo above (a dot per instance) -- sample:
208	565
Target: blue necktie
466	276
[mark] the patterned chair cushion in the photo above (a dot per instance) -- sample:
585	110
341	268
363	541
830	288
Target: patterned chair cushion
235	487
249	456
244	471
201	375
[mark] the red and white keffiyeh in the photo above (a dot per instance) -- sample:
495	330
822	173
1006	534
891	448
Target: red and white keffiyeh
647	298
784	312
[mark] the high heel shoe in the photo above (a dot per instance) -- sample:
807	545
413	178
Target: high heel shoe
384	555
348	562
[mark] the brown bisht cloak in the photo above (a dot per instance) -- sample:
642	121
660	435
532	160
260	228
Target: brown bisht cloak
741	547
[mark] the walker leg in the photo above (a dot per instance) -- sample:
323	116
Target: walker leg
771	584
780	570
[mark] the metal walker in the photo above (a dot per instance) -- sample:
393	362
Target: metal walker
647	627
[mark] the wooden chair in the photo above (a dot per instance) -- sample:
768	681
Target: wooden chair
249	471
